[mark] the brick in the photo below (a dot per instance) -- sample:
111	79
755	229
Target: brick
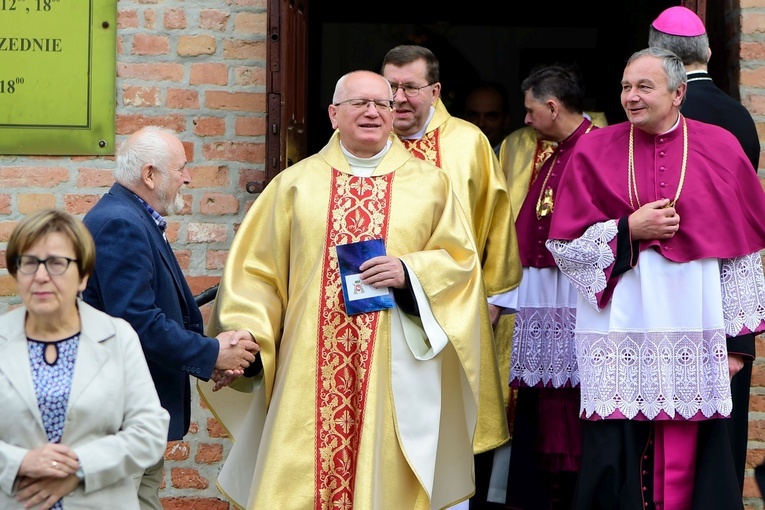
184	258
177	450
94	178
6	227
755	457
247	76
5	204
8	286
251	22
756	430
174	19
249	3
753	23
215	259
190	46
213	19
214	428
187	478
31	202
32	176
151	72
149	16
219	204
199	284
239	101
209	126
194	504
250	175
171	232
208	453
128	124
182	98
79	204
250	126
148	44
127	19
246	152
752	50
238	49
208	74
757	403
209	176
750	488
133	95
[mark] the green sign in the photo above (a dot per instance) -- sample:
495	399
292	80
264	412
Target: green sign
57	76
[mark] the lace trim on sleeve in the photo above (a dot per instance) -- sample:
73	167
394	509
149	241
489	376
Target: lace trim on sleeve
743	294
583	260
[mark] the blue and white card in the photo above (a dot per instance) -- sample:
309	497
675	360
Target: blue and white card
360	298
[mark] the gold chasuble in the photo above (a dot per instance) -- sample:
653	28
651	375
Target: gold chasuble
466	155
369	411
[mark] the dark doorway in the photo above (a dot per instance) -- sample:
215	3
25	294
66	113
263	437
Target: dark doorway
477	42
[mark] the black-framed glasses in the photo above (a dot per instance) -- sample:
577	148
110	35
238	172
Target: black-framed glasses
360	104
56	266
410	89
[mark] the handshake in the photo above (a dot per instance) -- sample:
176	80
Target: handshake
237	351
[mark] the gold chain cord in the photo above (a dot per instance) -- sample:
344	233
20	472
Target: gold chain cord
632	182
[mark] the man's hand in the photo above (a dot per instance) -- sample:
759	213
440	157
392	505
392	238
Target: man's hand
44	491
494	313
735	363
383	271
222	380
53	460
237	350
654	220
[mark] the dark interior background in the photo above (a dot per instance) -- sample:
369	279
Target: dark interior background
480	42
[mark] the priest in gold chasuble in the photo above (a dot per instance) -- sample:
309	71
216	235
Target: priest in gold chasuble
374	410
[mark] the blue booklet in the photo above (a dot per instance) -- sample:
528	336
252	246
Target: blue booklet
360	298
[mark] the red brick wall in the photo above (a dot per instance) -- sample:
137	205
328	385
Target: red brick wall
197	68
746	18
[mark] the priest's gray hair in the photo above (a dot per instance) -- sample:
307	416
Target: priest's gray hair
671	63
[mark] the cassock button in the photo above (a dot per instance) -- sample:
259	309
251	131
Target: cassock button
662	168
661	154
645	489
666	248
662	185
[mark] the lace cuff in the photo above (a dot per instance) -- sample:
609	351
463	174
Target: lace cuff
584	260
743	294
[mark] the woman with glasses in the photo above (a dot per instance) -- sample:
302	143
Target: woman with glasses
80	416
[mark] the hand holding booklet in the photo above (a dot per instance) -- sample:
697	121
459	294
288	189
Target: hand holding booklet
360	298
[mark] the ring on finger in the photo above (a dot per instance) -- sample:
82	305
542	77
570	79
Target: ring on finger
54	463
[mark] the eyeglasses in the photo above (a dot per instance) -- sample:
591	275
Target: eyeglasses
359	104
56	266
410	89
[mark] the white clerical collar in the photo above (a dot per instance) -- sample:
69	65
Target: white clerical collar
677	123
364	167
699	75
419	134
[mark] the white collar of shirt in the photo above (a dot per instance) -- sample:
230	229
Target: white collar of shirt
677	123
364	167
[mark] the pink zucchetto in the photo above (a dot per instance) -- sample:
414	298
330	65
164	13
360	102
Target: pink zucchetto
680	21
